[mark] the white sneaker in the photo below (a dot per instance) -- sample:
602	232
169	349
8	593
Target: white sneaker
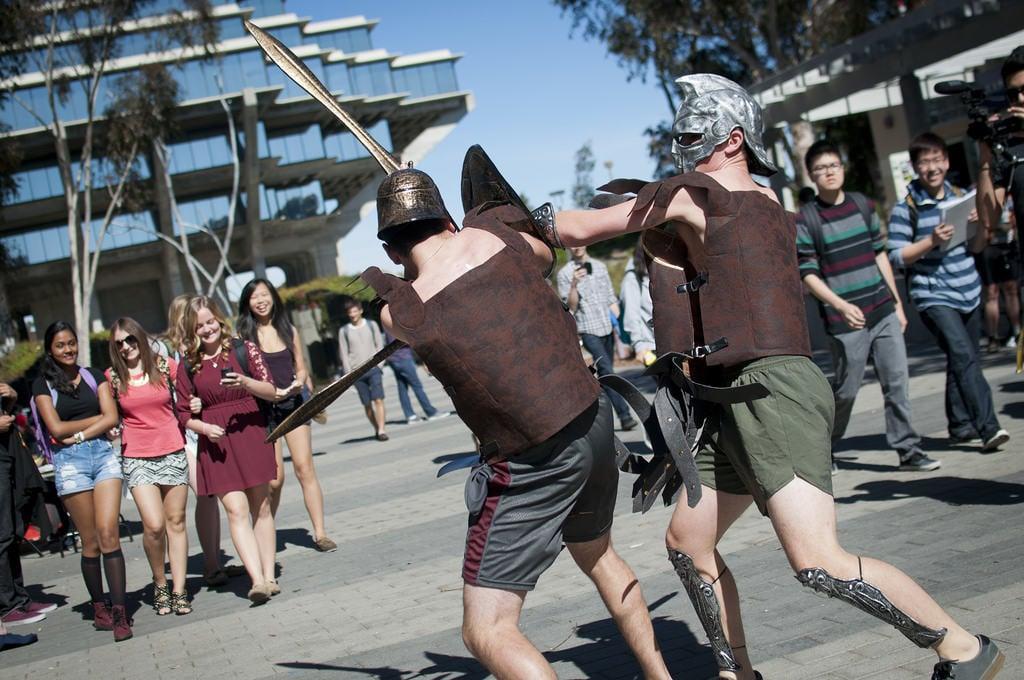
439	415
412	419
1011	343
996	440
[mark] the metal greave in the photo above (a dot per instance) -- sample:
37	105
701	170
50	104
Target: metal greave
705	602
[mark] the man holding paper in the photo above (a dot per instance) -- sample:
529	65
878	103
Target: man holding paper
946	289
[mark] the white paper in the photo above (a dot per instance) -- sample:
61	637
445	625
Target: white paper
955	212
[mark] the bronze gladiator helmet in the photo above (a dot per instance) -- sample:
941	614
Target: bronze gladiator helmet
406	196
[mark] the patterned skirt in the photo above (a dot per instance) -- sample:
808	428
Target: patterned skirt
167	470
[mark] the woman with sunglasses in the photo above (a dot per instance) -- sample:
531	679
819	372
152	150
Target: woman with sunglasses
152	456
262	321
235	464
76	409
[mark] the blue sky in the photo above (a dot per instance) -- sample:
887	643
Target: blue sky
541	92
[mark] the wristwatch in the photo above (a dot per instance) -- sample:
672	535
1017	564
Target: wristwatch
79	437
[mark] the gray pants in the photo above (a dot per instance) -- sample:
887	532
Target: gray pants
884	344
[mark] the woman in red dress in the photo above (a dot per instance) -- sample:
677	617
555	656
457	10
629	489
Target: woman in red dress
235	464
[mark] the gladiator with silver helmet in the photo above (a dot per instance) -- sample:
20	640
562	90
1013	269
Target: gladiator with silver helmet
712	107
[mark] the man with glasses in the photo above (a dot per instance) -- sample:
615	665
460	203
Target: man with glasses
844	265
946	290
998	177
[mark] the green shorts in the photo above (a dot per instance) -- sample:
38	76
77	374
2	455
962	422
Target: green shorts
757	447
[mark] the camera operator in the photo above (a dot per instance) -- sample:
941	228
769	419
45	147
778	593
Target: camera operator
1002	173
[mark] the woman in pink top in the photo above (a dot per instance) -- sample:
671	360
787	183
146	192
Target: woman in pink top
153	456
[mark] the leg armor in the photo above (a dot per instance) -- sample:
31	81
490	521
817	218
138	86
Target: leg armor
702	595
867	597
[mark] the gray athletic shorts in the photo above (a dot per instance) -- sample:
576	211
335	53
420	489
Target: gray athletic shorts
560	490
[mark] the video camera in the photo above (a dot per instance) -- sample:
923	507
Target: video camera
996	133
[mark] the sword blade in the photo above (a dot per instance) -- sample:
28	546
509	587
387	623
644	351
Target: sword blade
325	397
304	78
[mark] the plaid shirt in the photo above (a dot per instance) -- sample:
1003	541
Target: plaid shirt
596	297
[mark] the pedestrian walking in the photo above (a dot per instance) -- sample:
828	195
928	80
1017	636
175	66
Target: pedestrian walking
263	321
403	364
358	341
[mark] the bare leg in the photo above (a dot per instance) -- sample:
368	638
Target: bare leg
991	309
805	521
378	411
175	499
277	483
151	510
236	504
207	519
300	446
695	532
371	416
263	527
620	591
490	629
1011	296
80	507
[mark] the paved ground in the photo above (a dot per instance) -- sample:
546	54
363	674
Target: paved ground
387	604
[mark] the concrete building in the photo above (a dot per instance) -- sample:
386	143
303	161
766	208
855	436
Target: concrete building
303	181
889	74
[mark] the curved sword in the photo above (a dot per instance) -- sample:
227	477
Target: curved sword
304	78
322	399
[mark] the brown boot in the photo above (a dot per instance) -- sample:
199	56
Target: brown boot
122	624
101	616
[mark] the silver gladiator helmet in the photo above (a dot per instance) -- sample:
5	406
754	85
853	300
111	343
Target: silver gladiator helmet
712	107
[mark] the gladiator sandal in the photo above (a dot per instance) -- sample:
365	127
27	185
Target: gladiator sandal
180	604
162	599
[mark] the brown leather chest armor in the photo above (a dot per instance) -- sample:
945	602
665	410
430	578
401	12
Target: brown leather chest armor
500	341
745	287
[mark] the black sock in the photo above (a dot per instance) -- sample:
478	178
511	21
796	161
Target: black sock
93	577
113	567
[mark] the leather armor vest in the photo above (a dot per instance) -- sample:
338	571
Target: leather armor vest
500	341
744	288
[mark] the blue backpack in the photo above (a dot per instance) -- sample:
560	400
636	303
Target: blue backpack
43	438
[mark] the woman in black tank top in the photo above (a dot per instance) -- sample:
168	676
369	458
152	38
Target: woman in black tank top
263	321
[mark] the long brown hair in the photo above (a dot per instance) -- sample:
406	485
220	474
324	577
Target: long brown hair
175	334
146	358
193	346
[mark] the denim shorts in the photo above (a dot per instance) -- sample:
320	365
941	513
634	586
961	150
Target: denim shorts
80	467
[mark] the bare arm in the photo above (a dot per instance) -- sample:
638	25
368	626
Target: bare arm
58	428
583	227
108	413
301	372
989	199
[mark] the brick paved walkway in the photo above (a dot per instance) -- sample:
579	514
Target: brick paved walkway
387	604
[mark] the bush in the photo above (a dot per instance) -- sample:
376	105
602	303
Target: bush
19	360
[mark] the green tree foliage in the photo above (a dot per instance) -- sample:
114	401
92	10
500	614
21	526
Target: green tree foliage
745	40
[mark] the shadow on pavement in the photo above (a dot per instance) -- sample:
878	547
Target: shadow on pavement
299	537
605	656
952	490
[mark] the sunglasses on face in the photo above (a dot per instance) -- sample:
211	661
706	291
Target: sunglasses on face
127	340
1013	93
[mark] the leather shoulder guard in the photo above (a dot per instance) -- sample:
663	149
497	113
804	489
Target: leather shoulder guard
482	183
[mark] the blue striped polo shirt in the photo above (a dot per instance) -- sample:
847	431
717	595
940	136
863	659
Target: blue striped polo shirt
938	278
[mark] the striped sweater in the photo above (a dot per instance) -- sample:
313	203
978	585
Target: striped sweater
938	278
844	257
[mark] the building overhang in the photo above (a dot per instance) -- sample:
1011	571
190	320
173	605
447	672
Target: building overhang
863	73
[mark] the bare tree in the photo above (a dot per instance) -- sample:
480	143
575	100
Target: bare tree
73	47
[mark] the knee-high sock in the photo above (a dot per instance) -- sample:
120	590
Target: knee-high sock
93	576
113	567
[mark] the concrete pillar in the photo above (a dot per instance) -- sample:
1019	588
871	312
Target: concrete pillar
171	284
913	105
251	175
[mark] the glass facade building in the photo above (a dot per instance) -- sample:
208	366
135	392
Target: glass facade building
303	156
